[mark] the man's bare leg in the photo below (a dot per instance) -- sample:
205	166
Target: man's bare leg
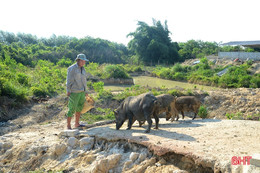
68	122
77	117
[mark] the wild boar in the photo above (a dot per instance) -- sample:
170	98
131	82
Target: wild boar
139	108
187	104
166	104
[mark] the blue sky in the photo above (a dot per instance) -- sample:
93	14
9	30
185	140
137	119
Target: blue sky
206	20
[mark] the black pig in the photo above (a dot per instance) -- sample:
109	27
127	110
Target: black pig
139	108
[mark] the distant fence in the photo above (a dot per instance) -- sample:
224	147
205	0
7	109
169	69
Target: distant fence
240	55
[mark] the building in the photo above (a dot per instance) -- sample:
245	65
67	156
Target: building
242	55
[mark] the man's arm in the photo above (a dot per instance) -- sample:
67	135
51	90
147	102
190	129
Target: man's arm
69	81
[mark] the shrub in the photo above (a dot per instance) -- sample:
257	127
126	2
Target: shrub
23	79
64	62
115	71
203	112
179	76
90	85
177	68
255	81
236	116
98	86
175	92
39	92
105	95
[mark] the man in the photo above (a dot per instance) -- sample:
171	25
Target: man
76	89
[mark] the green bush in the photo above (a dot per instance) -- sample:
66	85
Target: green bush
23	79
105	95
175	92
236	116
64	62
39	92
115	71
90	85
203	112
98	86
255	81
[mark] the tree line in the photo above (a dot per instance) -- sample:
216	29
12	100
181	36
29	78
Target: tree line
31	66
149	45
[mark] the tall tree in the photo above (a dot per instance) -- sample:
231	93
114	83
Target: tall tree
152	44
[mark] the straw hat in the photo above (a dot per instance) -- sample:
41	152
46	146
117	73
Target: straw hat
89	104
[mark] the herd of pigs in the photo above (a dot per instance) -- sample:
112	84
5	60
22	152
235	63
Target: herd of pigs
146	106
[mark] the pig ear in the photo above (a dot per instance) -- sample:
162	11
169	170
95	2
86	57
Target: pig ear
115	111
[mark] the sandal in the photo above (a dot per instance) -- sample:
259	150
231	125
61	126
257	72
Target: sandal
81	126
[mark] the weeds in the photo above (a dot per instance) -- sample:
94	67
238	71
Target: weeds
203	112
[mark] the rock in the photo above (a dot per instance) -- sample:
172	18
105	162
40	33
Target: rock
142	157
255	160
86	143
179	171
250	169
113	160
60	149
162	162
99	166
6	145
90	158
69	133
133	156
72	142
127	165
143	166
40	149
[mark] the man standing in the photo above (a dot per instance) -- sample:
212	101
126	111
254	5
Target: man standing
76	89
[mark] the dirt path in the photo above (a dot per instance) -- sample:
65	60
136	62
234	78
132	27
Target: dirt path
211	143
208	144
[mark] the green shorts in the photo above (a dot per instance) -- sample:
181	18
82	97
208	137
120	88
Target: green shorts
76	103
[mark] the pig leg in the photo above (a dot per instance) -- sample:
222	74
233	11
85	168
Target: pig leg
130	121
149	120
156	121
141	123
195	114
177	115
182	114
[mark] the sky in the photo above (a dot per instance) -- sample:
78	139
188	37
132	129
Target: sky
207	20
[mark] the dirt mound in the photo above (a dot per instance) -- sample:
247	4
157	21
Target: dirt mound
255	69
234	101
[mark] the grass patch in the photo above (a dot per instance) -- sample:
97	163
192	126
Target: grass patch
98	114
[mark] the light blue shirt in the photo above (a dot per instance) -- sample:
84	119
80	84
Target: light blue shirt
76	79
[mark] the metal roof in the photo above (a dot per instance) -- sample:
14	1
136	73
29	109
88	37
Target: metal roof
253	44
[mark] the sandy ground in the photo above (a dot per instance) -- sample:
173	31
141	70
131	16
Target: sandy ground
204	140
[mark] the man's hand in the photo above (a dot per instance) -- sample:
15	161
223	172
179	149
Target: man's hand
68	93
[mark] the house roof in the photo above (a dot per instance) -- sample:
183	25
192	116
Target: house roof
252	44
